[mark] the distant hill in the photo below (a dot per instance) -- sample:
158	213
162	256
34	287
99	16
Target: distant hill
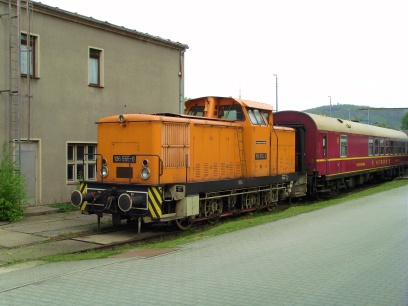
385	118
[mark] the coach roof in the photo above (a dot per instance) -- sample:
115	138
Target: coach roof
324	123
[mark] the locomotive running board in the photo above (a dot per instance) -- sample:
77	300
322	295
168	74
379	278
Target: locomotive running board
168	217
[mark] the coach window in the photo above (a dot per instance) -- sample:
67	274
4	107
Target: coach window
370	146
387	147
324	144
392	149
343	146
376	144
381	146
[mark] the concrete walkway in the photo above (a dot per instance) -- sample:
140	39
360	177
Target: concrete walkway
354	253
43	232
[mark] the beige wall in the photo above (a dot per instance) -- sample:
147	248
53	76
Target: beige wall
143	75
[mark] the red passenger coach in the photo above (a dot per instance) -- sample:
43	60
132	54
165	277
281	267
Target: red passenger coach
337	153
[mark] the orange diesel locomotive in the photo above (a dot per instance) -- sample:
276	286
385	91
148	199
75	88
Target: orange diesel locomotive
223	157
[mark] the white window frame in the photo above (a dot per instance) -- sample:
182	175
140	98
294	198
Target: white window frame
101	63
75	163
342	137
371	146
35	56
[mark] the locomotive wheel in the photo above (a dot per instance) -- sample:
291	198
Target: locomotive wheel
232	201
212	207
272	206
214	219
184	223
266	201
251	200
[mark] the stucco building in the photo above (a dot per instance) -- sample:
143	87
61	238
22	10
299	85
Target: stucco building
80	69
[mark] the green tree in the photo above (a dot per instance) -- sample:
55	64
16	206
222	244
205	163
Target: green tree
404	122
13	189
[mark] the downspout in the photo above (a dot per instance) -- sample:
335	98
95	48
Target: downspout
181	83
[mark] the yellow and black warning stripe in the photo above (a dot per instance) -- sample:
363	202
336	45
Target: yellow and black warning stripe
83	188
155	202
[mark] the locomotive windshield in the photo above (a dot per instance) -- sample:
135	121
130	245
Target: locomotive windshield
231	112
196	111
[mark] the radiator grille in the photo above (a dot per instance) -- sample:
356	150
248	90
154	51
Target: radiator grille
175	145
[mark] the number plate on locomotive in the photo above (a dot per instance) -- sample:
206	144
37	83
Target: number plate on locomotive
124	159
259	156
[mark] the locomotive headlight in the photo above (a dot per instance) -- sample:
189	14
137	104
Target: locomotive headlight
104	171
145	163
145	173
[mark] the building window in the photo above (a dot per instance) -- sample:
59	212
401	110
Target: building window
370	146
81	162
343	146
95	67
28	55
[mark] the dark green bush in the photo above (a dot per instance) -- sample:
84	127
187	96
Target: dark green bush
13	189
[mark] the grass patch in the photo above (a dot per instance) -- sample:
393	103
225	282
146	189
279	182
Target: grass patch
229	225
64	207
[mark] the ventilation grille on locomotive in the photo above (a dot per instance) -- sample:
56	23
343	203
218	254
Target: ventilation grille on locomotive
175	145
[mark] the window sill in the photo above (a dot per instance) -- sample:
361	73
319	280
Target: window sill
31	77
95	86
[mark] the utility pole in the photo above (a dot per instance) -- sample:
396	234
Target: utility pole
330	105
276	90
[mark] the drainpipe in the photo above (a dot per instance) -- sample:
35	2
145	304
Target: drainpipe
181	83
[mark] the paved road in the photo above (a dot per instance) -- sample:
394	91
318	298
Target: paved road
355	253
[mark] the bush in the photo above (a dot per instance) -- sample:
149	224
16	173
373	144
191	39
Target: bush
13	189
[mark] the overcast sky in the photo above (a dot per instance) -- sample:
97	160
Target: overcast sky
355	51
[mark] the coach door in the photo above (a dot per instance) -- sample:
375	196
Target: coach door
322	155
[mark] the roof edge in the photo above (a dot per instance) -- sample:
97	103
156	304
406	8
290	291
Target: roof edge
104	25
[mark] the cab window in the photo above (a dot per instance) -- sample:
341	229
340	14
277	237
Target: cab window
252	117
231	112
266	116
259	117
196	111
256	117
